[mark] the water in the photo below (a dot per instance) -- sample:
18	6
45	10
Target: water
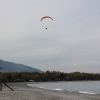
90	87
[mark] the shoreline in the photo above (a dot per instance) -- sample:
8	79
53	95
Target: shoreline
79	89
58	89
24	92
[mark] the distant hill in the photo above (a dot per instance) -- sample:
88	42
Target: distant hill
13	67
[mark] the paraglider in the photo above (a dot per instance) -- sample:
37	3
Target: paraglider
46	17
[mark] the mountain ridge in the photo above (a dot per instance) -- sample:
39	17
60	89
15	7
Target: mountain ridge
14	67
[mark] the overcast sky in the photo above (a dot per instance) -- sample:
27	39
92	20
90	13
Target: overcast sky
71	43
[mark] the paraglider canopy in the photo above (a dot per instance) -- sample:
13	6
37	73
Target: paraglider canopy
45	17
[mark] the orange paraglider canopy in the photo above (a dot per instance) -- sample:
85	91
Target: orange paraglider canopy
45	17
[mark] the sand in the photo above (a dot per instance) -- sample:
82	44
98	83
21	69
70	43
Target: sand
24	92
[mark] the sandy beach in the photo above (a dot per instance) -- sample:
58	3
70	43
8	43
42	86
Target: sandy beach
24	92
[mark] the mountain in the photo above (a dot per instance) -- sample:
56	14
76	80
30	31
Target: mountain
13	67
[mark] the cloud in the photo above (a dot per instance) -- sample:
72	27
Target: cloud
71	42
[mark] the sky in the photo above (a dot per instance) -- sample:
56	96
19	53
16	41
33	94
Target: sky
71	42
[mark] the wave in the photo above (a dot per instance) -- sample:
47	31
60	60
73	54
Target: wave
86	92
44	87
58	89
30	85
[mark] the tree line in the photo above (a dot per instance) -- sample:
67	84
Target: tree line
48	76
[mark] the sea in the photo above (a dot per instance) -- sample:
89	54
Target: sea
88	87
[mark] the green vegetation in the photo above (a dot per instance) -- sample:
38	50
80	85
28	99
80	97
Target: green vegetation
49	76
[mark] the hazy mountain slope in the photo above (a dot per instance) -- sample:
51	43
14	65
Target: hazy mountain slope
13	67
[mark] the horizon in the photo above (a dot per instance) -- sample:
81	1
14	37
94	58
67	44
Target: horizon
46	70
